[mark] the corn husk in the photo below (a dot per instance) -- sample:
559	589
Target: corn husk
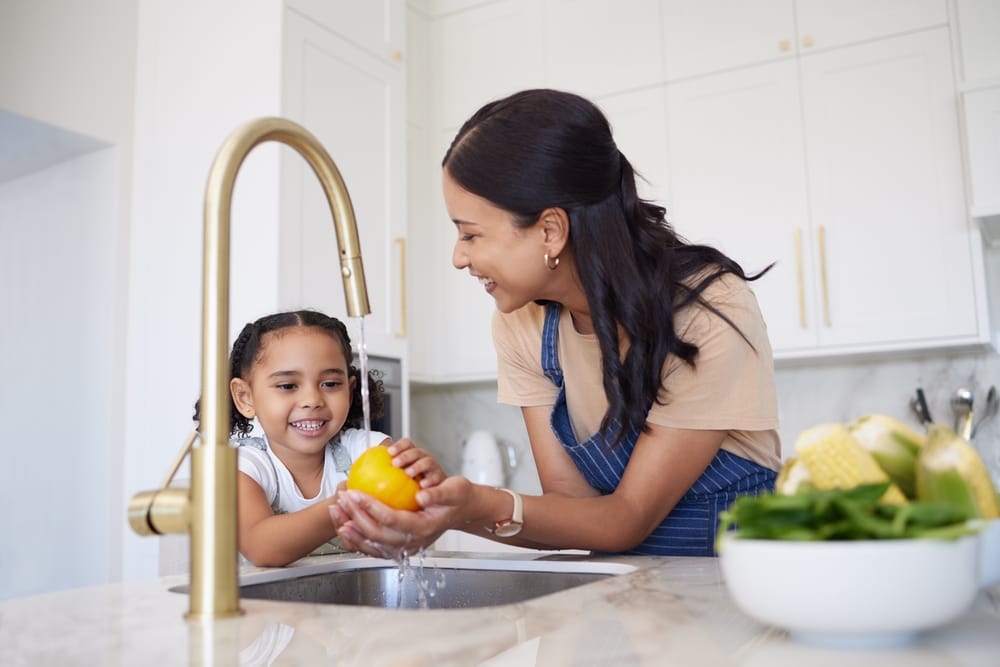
894	446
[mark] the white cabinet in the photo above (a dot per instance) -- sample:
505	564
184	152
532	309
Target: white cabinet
858	196
738	183
702	36
977	27
596	47
353	101
485	53
377	27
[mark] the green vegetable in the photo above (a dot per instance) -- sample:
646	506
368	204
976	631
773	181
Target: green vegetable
840	514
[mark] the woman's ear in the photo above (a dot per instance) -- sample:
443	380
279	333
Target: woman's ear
555	229
242	397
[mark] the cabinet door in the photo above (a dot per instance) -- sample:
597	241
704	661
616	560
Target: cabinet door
737	183
485	53
978	23
354	103
982	131
637	122
377	27
702	36
595	47
885	183
825	24
453	339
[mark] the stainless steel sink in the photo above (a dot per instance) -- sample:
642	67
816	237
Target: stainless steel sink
441	583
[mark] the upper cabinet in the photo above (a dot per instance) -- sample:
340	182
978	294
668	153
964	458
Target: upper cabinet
376	27
703	36
354	102
844	168
978	27
596	47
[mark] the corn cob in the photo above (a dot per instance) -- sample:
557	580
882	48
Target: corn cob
836	460
793	476
950	470
894	445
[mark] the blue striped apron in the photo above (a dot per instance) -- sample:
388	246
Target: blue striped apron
689	529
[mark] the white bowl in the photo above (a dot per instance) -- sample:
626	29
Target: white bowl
989	552
863	593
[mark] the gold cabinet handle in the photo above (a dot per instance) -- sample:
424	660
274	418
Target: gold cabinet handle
800	281
807	41
401	331
784	45
822	275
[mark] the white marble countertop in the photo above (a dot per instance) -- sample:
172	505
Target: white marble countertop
671	611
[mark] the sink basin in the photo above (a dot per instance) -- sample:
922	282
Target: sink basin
442	583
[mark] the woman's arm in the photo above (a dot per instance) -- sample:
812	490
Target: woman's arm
570	514
275	540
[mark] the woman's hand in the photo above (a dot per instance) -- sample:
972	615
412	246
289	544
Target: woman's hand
373	528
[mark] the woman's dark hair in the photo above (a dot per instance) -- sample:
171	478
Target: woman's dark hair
538	149
249	345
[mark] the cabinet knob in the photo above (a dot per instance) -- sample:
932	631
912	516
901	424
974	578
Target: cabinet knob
807	41
784	45
397	55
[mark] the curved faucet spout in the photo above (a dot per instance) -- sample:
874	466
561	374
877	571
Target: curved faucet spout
212	508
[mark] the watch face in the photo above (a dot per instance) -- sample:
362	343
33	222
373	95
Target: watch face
507	529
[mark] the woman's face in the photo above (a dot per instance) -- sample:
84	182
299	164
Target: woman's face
506	259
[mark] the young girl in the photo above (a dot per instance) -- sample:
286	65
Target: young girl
291	372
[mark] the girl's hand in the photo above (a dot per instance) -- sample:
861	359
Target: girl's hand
416	462
373	528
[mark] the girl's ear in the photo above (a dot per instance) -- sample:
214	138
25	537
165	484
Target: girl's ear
242	397
555	229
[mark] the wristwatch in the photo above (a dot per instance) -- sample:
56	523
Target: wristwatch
512	526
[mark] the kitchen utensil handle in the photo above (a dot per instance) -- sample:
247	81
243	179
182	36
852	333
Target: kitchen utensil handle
401	331
925	411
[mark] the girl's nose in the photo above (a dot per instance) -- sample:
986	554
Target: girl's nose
311	397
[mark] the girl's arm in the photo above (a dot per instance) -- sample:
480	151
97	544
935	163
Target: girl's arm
275	540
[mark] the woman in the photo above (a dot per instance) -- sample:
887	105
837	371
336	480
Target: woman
640	362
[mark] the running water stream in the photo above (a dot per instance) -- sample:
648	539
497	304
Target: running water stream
427	588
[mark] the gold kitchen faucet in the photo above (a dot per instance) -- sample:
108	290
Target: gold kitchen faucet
208	510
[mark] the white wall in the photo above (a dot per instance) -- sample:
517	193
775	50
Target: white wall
66	76
58	479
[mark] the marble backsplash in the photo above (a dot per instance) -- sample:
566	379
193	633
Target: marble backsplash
443	415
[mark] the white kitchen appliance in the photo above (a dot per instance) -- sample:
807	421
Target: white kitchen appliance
482	459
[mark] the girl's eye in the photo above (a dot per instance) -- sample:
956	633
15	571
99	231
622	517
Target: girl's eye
285	387
331	384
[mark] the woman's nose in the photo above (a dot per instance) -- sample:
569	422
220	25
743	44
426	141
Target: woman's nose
459	258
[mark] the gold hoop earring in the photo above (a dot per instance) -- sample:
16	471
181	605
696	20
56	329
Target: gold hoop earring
551	265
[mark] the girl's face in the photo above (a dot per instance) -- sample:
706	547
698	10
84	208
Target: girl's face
506	259
299	389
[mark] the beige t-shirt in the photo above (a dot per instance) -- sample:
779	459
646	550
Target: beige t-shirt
730	388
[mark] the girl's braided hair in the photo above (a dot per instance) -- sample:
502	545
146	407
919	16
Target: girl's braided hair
248	347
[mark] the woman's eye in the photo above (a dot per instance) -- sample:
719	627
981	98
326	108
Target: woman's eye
465	237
